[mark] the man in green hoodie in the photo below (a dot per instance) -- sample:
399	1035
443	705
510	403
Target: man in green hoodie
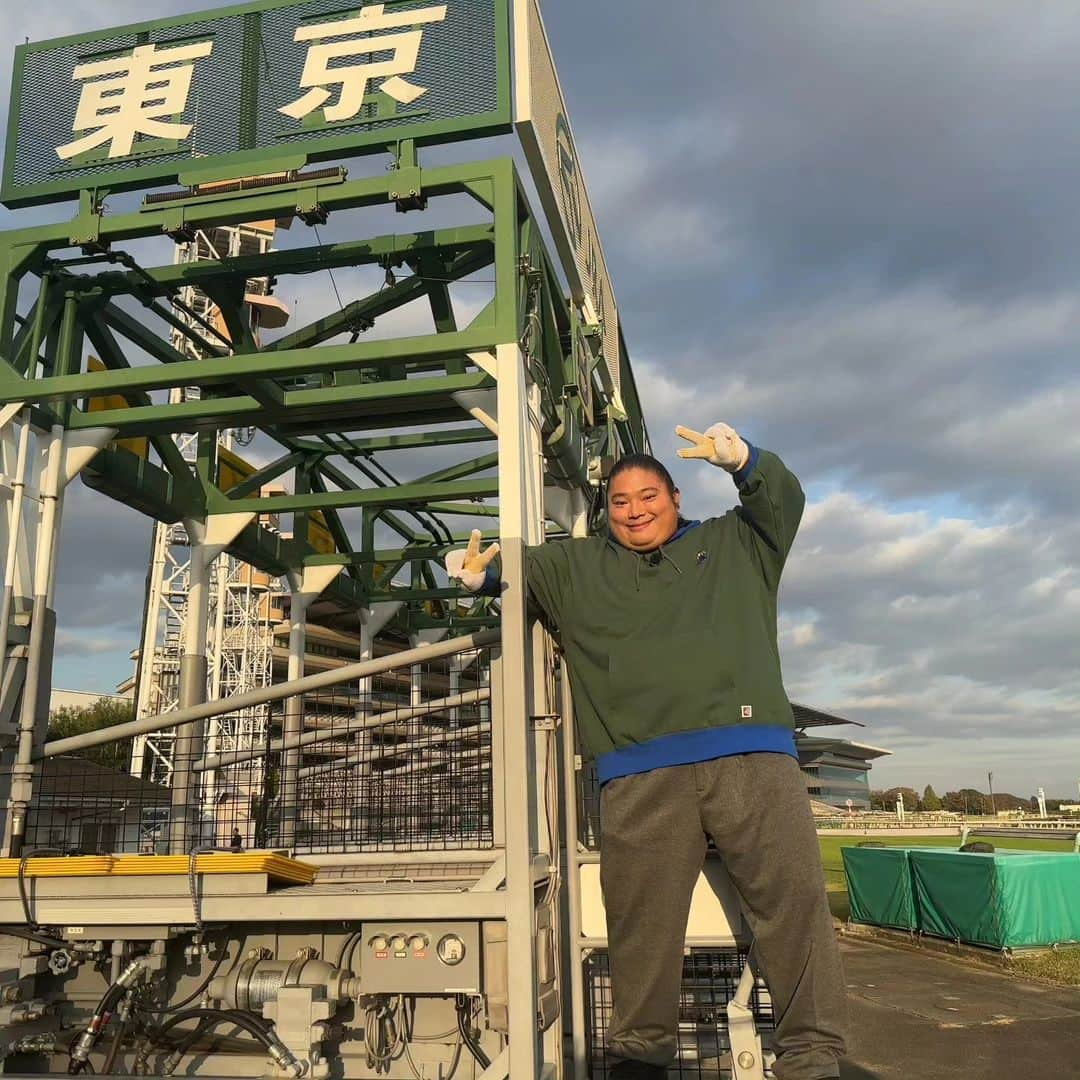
668	627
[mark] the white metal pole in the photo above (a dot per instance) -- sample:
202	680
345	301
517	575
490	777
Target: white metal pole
516	463
23	769
294	710
192	692
15	530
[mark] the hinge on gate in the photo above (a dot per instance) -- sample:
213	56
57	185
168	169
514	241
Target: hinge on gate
546	721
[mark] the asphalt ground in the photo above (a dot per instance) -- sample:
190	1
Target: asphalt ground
919	1015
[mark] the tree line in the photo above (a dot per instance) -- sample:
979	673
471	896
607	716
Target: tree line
964	801
76	720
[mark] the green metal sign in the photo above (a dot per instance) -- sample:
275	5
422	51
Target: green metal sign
255	88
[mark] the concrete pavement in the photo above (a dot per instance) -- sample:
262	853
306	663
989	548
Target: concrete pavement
919	1015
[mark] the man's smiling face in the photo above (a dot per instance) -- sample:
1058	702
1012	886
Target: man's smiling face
642	513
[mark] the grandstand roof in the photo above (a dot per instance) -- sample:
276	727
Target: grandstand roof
806	717
842	747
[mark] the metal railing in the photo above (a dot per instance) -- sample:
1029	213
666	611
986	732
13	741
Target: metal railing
392	754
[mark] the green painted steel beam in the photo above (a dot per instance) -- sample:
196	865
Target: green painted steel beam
163	280
136	332
417	621
230	369
411	595
487	535
382	421
403	496
207	211
464	509
463	468
267	473
220	347
379	303
381	555
134	481
149	489
420	440
364	402
333	522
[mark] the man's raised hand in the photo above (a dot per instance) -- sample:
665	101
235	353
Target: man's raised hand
469	564
718	445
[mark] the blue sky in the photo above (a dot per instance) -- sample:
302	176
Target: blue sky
852	231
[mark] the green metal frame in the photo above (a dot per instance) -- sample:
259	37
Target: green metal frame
256	159
324	402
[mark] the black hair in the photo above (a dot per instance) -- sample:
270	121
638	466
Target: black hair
646	462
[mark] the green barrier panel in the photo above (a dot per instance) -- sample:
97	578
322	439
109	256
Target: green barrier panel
958	897
1040	894
880	889
1003	899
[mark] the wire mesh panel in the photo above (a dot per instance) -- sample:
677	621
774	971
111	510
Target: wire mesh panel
709	980
588	797
93	806
406	766
399	762
237	82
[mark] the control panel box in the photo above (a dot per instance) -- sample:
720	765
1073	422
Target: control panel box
419	958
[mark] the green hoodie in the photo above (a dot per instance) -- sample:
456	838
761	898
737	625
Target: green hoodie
672	654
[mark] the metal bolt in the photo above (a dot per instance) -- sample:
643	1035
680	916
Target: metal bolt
746	1060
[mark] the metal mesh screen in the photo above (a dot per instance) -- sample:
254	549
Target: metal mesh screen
588	796
399	779
249	69
50	95
709	980
400	762
456	65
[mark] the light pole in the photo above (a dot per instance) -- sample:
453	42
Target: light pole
993	805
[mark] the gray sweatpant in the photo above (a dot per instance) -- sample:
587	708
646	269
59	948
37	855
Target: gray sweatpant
654	829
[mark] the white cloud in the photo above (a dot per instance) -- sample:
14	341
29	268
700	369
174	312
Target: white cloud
940	634
851	234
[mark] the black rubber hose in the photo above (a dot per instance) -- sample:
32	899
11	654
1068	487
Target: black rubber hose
109	999
474	1047
196	993
31	935
114	1049
193	1036
241	1019
184	1045
30	920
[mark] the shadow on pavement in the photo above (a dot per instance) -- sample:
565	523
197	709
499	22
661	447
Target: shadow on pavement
848	1071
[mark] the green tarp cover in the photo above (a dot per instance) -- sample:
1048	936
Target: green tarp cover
880	889
1004	899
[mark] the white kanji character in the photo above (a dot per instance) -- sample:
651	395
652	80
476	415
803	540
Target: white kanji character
135	101
403	47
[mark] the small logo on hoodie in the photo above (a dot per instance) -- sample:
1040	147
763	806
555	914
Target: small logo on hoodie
746	711
702	556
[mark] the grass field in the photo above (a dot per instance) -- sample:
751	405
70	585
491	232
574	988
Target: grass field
1058	965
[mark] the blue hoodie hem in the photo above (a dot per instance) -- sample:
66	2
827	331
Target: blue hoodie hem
688	747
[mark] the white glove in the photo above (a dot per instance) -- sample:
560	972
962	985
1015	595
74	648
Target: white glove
469	564
719	445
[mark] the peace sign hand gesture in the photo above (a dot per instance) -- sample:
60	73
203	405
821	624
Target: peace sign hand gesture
469	565
718	445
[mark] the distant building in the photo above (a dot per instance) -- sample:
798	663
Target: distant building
82	806
837	770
